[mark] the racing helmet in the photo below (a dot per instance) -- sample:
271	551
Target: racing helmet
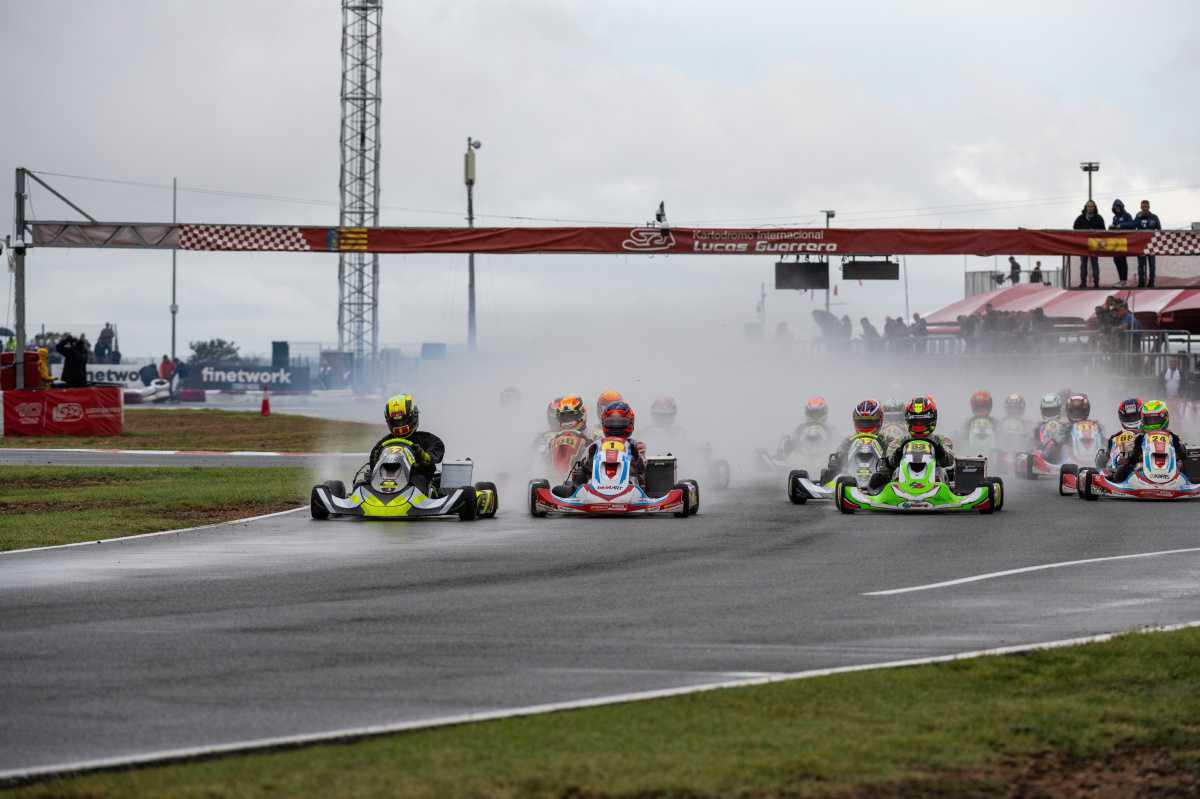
1079	407
663	411
1130	414
552	412
1014	405
893	410
920	414
401	414
605	399
571	413
867	416
1051	406
816	410
617	420
981	402
510	396
1155	416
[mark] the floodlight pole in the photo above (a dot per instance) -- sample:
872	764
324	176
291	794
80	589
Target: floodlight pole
830	214
1089	167
174	219
19	276
469	180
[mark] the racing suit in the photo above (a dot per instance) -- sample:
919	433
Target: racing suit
943	451
581	470
1131	460
810	431
1115	450
428	449
975	420
842	453
1049	437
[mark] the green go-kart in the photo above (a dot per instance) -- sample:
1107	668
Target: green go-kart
920	486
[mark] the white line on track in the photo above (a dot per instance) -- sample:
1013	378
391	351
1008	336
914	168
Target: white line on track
152	535
17	776
1025	570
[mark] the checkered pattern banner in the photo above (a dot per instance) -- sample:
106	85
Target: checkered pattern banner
1174	242
242	237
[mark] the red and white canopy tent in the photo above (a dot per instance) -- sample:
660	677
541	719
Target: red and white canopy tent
1156	308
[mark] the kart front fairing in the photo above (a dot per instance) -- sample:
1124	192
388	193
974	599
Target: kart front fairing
392	492
611	489
920	485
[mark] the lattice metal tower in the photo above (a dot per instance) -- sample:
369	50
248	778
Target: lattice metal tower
358	272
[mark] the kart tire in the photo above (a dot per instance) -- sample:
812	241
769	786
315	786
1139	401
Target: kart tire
793	477
687	497
1079	482
534	485
487	486
1086	488
336	488
316	507
839	489
696	487
1030	474
999	484
468	509
1063	471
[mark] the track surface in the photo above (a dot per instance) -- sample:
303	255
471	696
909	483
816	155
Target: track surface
288	626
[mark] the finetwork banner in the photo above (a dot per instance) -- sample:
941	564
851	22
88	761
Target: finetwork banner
218	376
647	240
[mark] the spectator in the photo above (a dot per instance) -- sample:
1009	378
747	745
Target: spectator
1089	219
104	343
1036	275
1014	270
1121	221
181	374
166	369
147	374
1146	221
87	345
919	327
847	328
75	358
869	333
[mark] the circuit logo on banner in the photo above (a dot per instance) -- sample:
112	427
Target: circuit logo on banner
218	376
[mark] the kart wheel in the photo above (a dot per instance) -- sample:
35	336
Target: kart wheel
485	486
696	490
468	511
1063	471
336	488
317	507
1079	482
998	485
1086	489
1030	474
839	495
795	493
534	485
687	500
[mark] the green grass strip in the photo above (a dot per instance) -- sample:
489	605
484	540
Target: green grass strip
42	505
1122	715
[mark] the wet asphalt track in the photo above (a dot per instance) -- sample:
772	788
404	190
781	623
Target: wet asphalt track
287	626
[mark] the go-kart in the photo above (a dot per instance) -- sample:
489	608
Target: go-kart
863	459
1068	473
1161	474
920	485
392	490
1084	441
563	449
805	446
611	489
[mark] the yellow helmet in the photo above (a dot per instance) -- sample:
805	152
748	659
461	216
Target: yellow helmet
402	414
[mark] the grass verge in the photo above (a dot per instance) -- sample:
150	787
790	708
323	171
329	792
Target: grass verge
220	431
1114	719
55	505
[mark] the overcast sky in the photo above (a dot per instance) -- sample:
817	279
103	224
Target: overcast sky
910	114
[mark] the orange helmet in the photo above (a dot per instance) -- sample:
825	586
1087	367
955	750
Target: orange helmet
981	403
605	399
816	409
571	413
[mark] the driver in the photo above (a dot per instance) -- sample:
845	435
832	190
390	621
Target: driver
1120	443
1155	419
402	417
868	421
1013	425
981	412
605	399
816	411
571	414
1052	432
893	420
920	416
616	422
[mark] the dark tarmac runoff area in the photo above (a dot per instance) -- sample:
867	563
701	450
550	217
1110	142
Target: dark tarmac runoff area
288	626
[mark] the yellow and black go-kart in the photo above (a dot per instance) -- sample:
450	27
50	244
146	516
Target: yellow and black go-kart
395	490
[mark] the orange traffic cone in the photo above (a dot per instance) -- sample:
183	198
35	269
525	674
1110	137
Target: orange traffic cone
266	402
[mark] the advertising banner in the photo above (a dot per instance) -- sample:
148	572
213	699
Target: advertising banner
229	376
123	374
64	412
648	240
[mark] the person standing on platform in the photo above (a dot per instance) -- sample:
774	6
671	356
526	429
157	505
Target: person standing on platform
1121	221
1146	221
1089	219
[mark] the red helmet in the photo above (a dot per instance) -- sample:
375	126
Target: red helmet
981	403
867	416
1078	407
816	410
617	420
921	416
